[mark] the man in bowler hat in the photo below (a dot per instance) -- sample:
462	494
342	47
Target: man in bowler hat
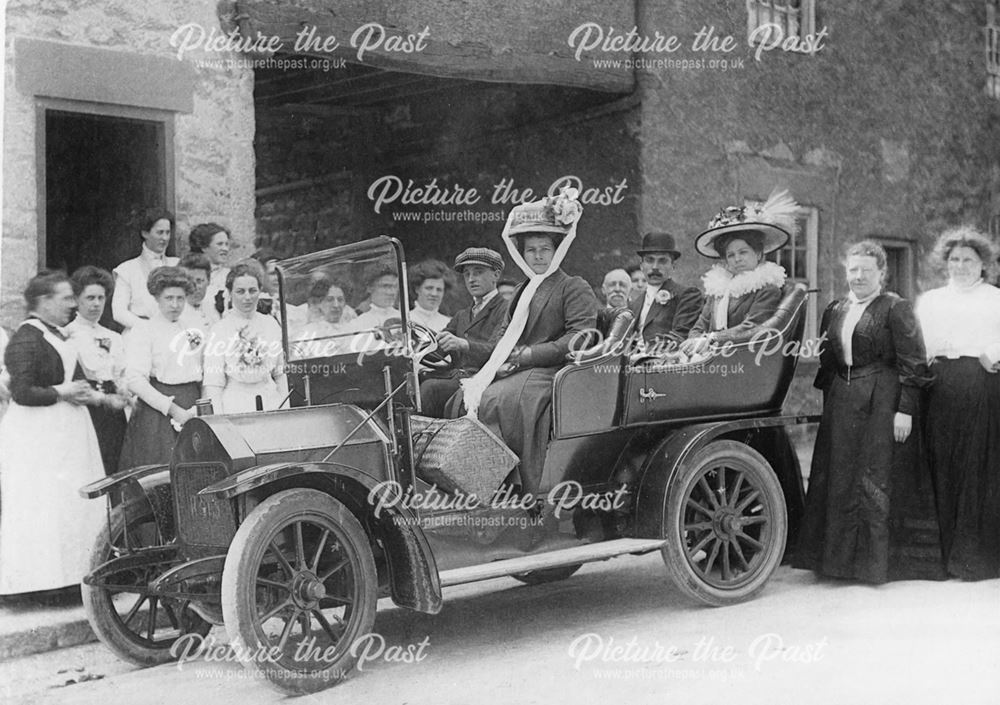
667	310
467	335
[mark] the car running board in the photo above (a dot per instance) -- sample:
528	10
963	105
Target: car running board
552	559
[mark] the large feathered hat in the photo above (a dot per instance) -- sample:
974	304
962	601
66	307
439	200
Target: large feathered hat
772	219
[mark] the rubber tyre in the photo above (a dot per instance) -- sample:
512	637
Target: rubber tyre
113	628
746	531
253	568
547	575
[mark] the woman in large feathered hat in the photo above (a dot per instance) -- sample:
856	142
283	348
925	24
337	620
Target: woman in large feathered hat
743	290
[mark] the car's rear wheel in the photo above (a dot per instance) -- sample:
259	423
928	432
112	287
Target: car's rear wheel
726	524
298	589
139	627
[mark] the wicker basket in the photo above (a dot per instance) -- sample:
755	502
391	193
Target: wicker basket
460	455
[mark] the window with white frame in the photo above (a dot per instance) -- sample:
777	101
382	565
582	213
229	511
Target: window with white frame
789	18
992	32
800	259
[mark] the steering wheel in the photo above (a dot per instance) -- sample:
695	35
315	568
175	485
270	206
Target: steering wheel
428	352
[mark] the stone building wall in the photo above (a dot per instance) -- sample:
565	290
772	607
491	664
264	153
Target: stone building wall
212	154
452	138
886	130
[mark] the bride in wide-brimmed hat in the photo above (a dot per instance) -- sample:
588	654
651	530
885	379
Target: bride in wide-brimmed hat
743	290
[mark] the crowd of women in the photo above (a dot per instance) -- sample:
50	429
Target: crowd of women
908	446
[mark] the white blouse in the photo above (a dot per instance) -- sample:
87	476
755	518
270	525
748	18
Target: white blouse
851	318
131	301
248	350
961	321
434	320
168	352
101	352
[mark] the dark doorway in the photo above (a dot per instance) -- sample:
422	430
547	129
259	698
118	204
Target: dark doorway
101	173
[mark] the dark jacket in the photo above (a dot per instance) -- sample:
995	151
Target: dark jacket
478	330
562	309
887	334
35	367
744	315
672	320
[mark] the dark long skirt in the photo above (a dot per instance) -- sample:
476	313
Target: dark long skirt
869	511
149	439
110	425
519	409
963	439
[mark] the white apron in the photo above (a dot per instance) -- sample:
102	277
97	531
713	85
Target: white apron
46	454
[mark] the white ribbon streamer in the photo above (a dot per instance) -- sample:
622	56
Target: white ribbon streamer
473	387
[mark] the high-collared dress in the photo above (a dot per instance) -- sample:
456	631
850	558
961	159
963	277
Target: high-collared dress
434	320
101	353
869	509
163	365
131	301
736	305
48	450
961	325
244	357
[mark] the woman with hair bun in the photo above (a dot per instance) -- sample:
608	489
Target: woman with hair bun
869	491
48	449
961	325
244	362
102	358
430	281
163	368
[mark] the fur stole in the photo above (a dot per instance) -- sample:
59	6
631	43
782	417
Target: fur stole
719	281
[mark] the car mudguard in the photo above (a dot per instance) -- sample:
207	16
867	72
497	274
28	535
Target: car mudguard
413	574
766	434
144	485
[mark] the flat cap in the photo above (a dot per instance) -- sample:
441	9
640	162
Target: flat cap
483	256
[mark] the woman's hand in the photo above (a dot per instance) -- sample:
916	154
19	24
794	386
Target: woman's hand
180	416
902	424
695	346
78	392
116	402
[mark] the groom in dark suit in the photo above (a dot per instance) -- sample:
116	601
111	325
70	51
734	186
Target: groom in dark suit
467	336
666	311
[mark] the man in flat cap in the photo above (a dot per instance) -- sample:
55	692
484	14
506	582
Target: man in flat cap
667	310
467	335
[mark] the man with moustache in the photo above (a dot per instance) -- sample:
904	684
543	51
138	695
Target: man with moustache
668	310
466	336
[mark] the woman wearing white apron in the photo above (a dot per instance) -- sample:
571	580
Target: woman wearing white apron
48	450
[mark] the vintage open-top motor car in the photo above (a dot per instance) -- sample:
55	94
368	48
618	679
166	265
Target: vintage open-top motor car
287	526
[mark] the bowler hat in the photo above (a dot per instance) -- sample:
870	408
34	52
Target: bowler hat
658	242
479	255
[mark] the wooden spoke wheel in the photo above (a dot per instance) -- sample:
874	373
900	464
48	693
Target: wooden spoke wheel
726	524
298	589
138	627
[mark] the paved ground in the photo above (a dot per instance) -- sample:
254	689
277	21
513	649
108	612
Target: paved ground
802	640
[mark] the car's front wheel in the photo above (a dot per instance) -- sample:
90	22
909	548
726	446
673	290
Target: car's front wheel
139	627
726	524
299	588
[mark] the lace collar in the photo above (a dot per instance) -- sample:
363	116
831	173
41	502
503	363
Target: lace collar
719	281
